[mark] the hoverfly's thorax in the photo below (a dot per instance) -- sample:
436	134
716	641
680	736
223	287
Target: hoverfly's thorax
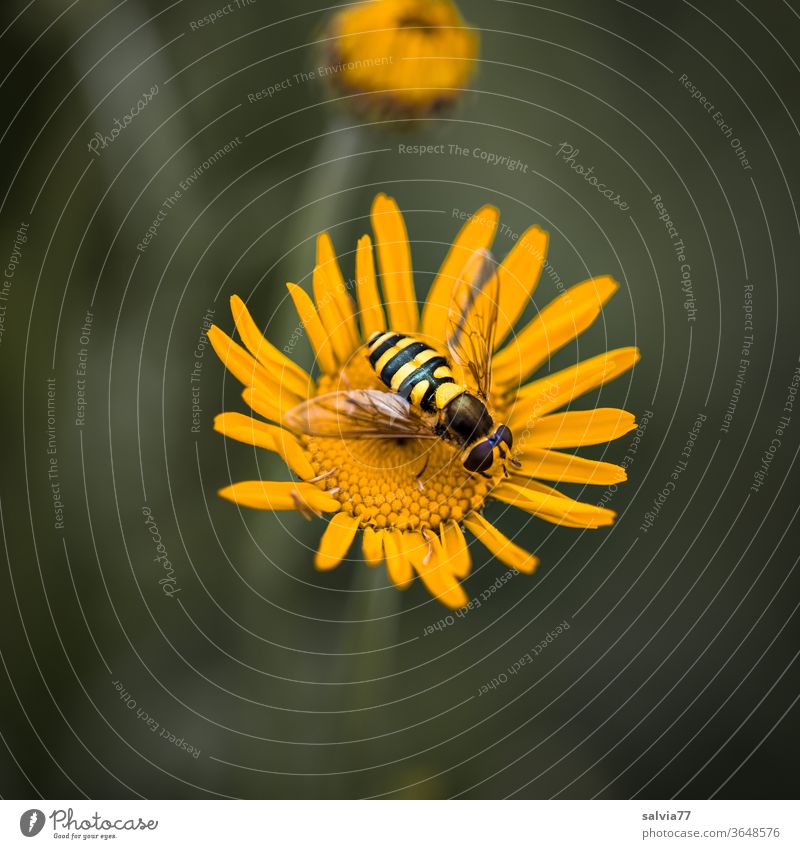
466	419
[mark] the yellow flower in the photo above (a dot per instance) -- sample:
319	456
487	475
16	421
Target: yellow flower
408	58
416	522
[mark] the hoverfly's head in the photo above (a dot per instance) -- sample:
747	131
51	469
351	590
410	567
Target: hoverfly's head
490	452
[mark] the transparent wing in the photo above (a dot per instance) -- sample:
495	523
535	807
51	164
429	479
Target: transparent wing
472	319
359	414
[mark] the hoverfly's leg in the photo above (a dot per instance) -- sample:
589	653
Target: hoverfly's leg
303	509
322	476
515	462
421	472
427	535
505	456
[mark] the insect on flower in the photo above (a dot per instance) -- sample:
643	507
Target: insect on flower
429	401
416	422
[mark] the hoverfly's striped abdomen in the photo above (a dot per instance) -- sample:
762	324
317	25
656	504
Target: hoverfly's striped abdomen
413	370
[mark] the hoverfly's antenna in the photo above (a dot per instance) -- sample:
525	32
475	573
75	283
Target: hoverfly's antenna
421	472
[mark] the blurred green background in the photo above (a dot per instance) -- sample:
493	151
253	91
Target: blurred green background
260	677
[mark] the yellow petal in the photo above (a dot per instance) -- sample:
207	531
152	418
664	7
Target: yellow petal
312	323
264	393
558	509
576	428
415	547
263	404
394	257
328	312
455	549
369	301
372	546
245	368
326	258
265	352
263	435
397	564
280	495
558	389
269	403
500	545
567	468
336	541
428	559
519	275
334	304
476	234
558	323
531	485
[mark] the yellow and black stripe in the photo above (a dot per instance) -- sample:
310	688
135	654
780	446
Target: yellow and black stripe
413	370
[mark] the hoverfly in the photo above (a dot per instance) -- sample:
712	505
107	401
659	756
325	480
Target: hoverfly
425	401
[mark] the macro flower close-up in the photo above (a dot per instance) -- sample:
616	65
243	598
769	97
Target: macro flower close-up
412	495
400	58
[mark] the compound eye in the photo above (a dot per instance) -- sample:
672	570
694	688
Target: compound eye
503	434
480	458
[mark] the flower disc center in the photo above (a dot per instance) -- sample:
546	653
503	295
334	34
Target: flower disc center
404	484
